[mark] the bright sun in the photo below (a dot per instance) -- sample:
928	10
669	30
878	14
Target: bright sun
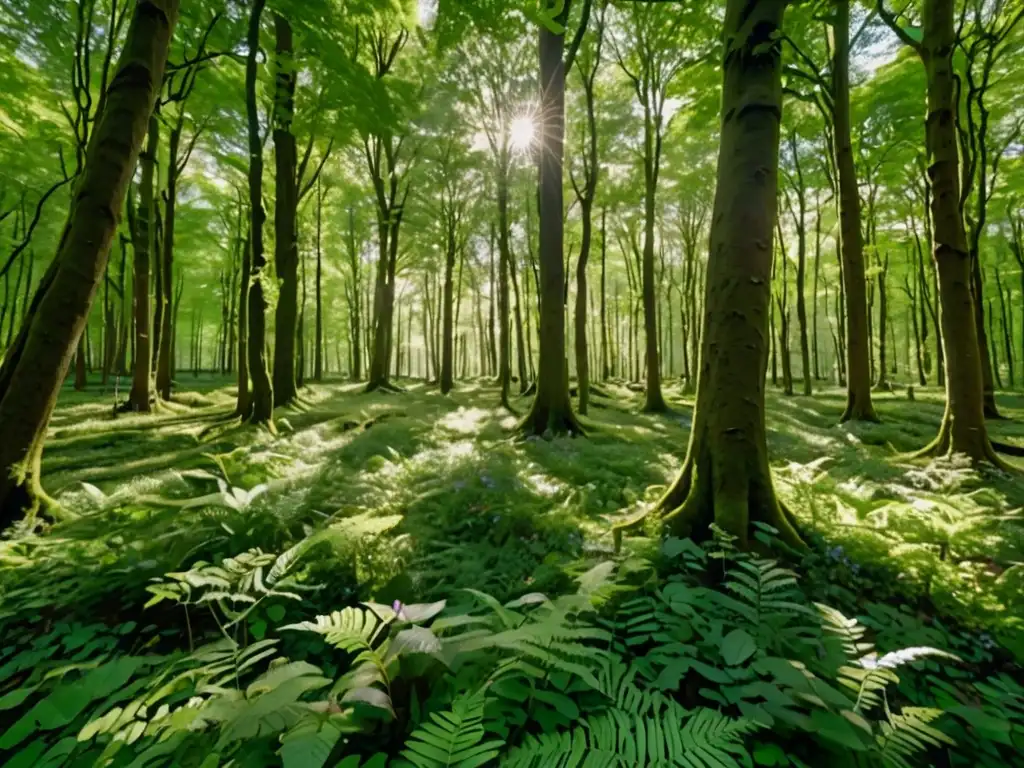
521	133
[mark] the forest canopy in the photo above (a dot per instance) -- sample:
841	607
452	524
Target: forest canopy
511	382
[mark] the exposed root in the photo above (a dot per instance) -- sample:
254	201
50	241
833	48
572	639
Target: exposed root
1007	448
383	386
549	422
687	510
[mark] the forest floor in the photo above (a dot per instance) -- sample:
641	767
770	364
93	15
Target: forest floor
443	498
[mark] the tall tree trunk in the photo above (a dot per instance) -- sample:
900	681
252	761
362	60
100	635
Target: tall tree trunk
521	364
143	233
261	410
448	320
551	411
1007	328
725	478
654	402
504	314
987	365
580	311
814	287
286	249
605	370
318	360
243	401
883	318
963	426
164	360
80	379
858	342
35	367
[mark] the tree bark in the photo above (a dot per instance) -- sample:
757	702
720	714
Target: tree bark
726	478
286	249
164	362
963	427
142	238
318	359
858	342
34	368
551	411
261	404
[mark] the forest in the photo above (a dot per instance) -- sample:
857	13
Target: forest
539	383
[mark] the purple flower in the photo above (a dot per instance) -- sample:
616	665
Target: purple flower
397	606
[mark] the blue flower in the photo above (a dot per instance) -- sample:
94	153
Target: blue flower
835	553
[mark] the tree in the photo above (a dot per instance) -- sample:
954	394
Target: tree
661	48
725	477
587	64
551	411
832	96
963	424
35	366
260	408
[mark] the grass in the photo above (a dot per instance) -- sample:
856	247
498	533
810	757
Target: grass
479	510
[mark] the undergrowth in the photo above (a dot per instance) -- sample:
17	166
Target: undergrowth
392	581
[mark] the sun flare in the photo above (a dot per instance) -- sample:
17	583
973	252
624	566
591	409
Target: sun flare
521	133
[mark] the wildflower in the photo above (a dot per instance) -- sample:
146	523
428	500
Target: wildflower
835	553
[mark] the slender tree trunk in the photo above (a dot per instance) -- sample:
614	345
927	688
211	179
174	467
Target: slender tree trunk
814	287
725	478
448	333
551	411
963	427
858	342
987	365
143	238
580	311
883	318
35	367
262	400
521	364
1007	328
243	403
318	361
605	371
286	249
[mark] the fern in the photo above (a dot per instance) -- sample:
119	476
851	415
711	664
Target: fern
620	738
908	734
453	739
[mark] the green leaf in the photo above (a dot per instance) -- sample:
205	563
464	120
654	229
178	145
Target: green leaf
276	613
737	647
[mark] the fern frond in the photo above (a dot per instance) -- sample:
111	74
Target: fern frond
453	739
706	738
908	734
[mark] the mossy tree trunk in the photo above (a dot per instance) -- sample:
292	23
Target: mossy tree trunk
286	248
963	427
726	478
32	372
858	340
261	401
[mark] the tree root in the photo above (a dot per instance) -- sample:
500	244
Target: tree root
383	386
686	510
1007	448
